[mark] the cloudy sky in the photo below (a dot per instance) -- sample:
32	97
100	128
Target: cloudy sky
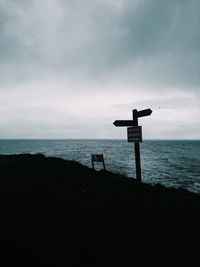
69	68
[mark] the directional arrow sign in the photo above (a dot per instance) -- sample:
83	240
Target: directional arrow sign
143	113
121	123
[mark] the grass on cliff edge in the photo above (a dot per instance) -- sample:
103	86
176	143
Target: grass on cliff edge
54	211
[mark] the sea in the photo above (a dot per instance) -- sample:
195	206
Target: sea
172	163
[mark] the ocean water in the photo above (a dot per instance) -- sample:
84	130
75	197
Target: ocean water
170	163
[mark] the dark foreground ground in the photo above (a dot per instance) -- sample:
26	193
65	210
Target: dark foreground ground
56	212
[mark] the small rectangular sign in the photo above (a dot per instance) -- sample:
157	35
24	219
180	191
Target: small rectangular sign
97	157
134	134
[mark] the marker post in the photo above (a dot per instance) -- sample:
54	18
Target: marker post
134	134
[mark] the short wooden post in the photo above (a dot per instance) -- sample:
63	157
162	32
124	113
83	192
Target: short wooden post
104	165
92	161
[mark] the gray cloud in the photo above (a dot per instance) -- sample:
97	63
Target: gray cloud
166	102
97	50
154	40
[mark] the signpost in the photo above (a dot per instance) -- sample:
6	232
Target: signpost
97	158
134	134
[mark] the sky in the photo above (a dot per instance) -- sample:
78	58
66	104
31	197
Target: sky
70	68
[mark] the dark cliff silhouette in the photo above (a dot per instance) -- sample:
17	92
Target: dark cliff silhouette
59	212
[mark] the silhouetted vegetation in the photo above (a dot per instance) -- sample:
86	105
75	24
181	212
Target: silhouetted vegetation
59	212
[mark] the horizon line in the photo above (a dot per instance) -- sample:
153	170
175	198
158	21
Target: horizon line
121	139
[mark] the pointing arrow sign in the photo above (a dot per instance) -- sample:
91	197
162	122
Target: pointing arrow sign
143	113
126	123
121	123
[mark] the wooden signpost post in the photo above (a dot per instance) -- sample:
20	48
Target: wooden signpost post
134	134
